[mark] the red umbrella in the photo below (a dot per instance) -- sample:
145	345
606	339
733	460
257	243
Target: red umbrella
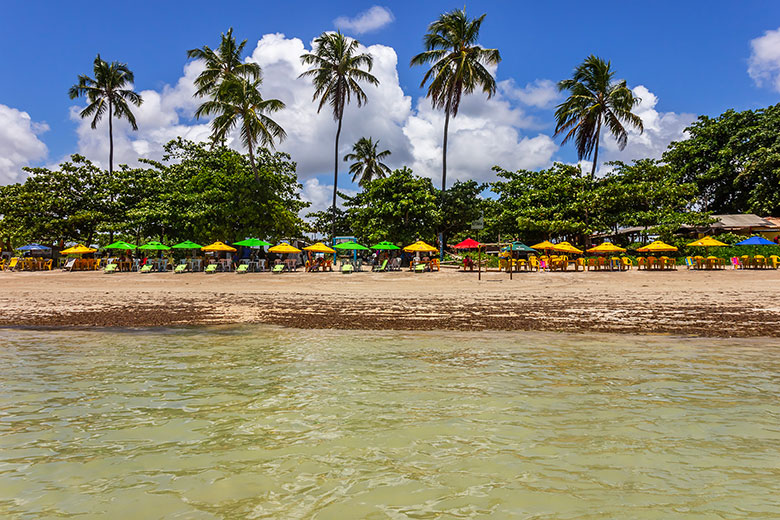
468	244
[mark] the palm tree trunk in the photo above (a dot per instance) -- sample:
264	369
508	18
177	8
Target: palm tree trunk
252	162
110	137
335	180
444	172
596	152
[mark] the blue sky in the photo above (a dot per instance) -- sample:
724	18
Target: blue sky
693	57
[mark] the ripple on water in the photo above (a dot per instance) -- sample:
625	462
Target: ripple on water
272	423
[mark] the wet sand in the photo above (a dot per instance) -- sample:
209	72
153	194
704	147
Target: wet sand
702	303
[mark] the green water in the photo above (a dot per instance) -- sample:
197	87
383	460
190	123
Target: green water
266	423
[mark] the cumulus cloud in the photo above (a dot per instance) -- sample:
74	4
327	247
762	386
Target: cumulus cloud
371	19
541	93
660	129
19	143
164	115
484	133
321	195
764	62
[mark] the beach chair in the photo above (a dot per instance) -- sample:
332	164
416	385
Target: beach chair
12	264
242	269
181	268
774	261
211	268
419	268
380	268
69	265
110	268
347	269
626	263
2	264
689	262
735	262
147	268
277	269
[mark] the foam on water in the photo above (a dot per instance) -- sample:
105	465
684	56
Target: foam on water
274	423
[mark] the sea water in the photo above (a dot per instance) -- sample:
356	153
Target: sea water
275	423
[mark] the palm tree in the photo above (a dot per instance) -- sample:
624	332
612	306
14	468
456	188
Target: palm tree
367	165
221	64
458	66
595	101
337	71
107	92
238	101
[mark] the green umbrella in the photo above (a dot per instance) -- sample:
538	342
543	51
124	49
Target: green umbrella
252	242
154	246
119	245
385	245
187	244
518	246
350	246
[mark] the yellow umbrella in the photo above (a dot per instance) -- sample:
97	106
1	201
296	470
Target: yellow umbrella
606	247
544	245
77	250
421	247
565	247
284	247
319	247
219	246
656	247
707	242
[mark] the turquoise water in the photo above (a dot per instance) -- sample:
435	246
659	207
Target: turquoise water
273	423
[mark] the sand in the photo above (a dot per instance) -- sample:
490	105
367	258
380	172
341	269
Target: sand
725	303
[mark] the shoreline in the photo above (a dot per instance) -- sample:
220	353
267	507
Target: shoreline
725	304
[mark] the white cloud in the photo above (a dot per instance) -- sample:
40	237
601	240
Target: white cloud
485	132
19	143
764	62
163	115
541	93
371	19
321	195
660	129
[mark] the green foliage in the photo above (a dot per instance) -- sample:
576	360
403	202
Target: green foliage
195	193
368	163
734	159
561	202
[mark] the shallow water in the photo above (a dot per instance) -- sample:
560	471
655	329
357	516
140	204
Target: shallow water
273	423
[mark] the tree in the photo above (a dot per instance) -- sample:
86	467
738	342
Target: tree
595	101
458	65
368	163
238	102
223	63
734	160
107	93
400	208
337	71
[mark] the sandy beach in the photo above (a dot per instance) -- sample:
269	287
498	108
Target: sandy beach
702	303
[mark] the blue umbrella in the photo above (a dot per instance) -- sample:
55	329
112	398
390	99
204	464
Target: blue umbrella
756	241
33	247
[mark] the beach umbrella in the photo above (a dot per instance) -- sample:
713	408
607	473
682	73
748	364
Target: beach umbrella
756	241
187	244
319	247
77	250
351	246
657	247
119	245
218	247
154	246
284	247
565	247
707	242
468	244
252	242
34	247
385	246
606	247
518	246
420	247
544	245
